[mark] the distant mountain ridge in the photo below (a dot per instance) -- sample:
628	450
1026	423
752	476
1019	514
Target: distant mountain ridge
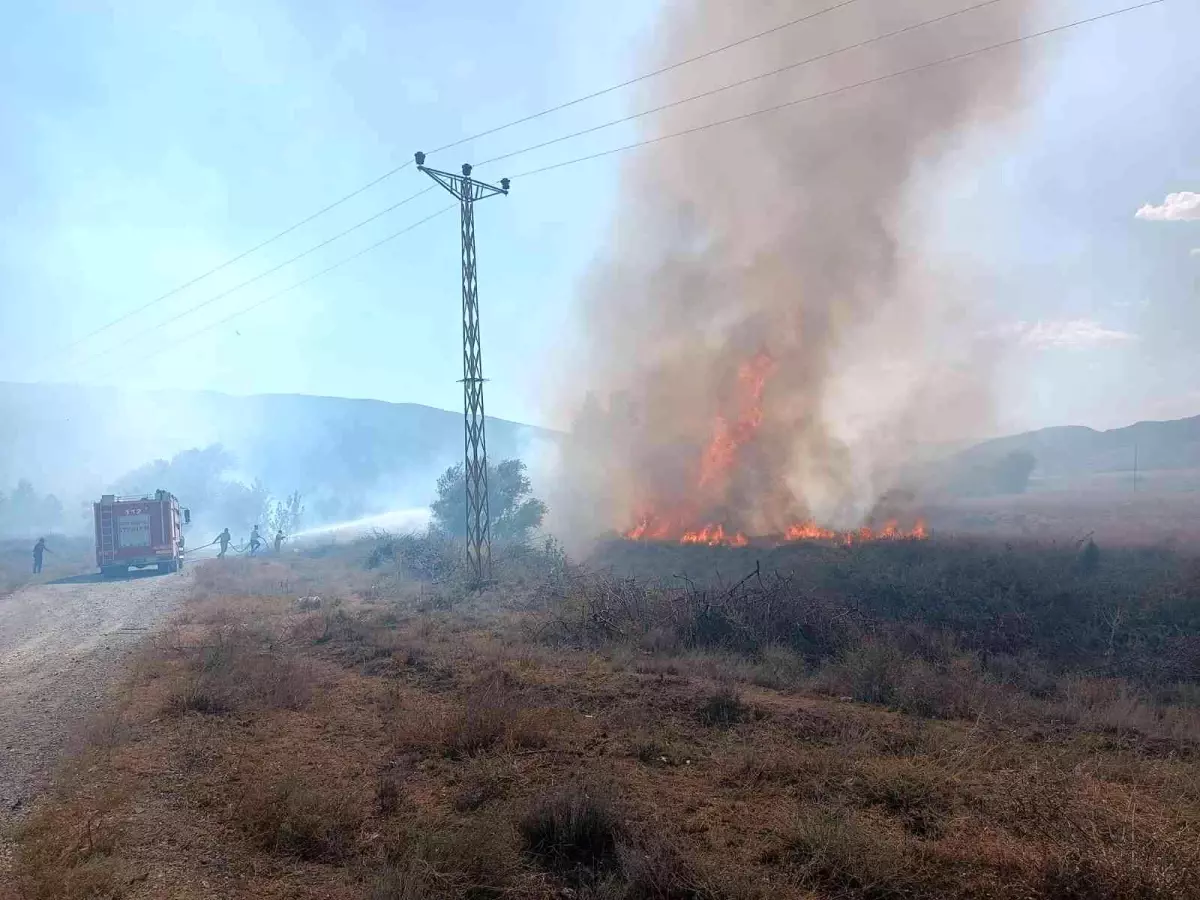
74	440
1075	450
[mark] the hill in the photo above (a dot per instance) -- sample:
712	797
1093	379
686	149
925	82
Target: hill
1073	451
74	441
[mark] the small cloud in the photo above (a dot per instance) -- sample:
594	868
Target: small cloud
1073	333
1196	252
1181	207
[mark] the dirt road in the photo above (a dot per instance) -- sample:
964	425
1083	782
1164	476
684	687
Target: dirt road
61	645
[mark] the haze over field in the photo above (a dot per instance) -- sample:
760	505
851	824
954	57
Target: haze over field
225	456
880	273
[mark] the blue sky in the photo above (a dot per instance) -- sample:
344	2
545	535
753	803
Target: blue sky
143	142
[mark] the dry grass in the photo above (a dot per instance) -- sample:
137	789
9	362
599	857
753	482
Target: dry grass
67	853
293	817
388	749
67	556
233	668
723	709
573	833
489	715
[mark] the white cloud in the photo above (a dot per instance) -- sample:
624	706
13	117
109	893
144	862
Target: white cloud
1072	333
1181	207
1196	252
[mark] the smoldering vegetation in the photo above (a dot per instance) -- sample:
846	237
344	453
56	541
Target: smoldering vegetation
1019	610
788	249
929	719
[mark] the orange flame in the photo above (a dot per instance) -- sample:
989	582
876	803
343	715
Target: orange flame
891	531
808	531
714	536
717	461
719	456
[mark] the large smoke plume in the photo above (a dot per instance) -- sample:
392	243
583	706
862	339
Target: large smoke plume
767	337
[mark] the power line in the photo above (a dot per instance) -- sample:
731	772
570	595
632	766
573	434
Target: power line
736	84
840	90
291	287
229	262
647	142
249	281
668	68
388	174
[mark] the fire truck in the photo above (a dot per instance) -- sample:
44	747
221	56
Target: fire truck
139	532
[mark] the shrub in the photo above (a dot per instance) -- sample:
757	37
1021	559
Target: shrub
389	793
292	817
67	854
574	834
869	673
921	803
429	555
234	668
778	668
830	852
656	871
722	710
475	861
492	715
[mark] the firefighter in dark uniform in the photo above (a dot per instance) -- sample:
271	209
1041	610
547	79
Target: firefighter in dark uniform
278	541
255	541
38	549
223	539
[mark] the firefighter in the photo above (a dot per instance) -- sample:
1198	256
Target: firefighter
38	549
255	541
278	540
223	538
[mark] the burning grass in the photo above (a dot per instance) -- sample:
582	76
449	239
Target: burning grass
612	738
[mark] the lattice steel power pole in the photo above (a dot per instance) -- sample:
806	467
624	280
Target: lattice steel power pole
475	466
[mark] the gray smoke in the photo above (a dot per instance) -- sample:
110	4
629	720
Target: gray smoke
789	246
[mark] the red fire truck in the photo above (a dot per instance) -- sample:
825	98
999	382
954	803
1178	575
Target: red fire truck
139	532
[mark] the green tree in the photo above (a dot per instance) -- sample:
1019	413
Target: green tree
514	511
286	515
26	510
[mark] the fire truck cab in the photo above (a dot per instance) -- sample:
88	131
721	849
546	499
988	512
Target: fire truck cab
139	532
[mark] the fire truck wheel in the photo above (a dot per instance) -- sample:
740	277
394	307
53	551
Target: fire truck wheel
169	567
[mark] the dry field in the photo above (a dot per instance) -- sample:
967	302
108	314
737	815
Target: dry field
1165	510
67	556
911	721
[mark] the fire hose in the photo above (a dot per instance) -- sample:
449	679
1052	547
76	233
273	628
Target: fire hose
236	549
201	547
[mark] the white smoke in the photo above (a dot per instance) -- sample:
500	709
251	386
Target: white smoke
796	236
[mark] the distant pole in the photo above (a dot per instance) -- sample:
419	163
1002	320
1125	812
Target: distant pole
1135	467
475	466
